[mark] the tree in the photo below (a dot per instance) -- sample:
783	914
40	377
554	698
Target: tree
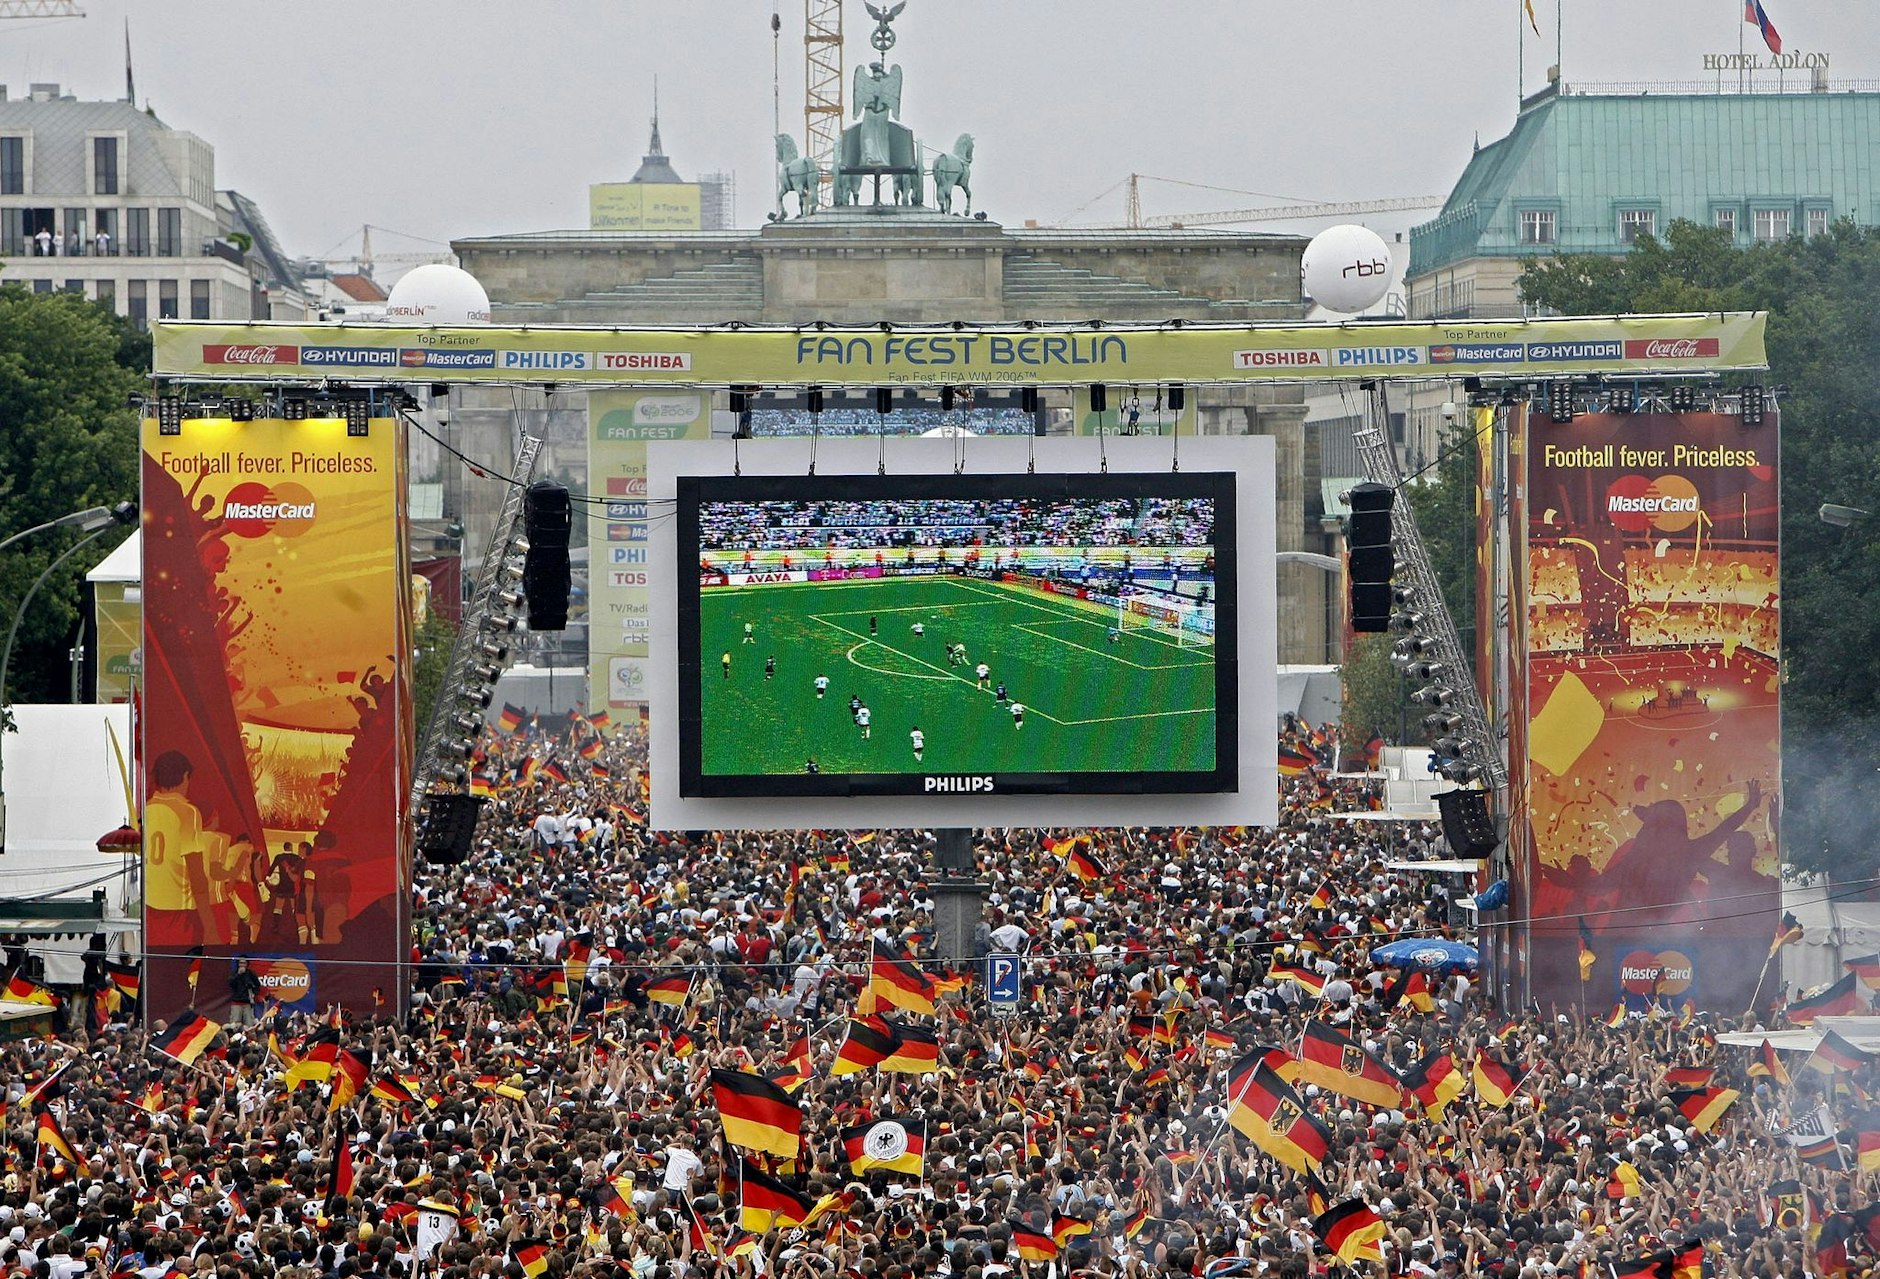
1824	350
435	637
68	368
1376	697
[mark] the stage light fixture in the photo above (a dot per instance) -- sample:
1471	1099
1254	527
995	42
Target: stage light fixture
1683	397
477	697
169	416
1406	622
294	408
1752	405
518	545
1451	746
486	674
1428	670
494	652
1560	400
358	419
511	571
1442	722
241	410
1622	398
509	599
1434	695
503	624
468	724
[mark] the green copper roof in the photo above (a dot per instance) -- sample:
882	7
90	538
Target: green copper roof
1586	159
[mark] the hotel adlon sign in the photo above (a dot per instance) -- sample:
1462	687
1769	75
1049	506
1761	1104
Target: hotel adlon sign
1796	61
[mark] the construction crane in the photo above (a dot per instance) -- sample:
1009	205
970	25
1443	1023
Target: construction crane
366	262
40	9
1271	213
822	81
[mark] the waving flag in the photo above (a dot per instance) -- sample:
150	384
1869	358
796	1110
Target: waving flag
52	1137
187	1037
1265	1109
1352	1231
1767	1064
889	1144
1835	1000
1788	932
765	1201
1435	1082
868	1043
1493	1083
1334	1060
1758	17
895	977
757	1114
1587	957
1704	1106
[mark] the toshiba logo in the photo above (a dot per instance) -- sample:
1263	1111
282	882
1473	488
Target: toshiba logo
267	511
1651	503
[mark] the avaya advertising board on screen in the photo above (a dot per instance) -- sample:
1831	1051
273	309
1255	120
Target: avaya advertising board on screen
876	643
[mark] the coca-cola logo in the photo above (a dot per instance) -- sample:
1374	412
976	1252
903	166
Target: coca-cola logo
250	353
1671	348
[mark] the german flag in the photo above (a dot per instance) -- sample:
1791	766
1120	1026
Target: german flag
343	1174
1412	988
1321	898
187	1037
1294	761
1352	1231
1704	1106
1690	1076
52	1137
895	977
869	1042
837	863
555	772
1767	1064
151	1100
1788	931
888	1144
1835	1053
349	1076
615	1202
1493	1083
1083	865
1867	1142
1867	968
20	990
1435	1082
1164	1032
1134	1057
1032	1246
1141	1025
1688	1261
1266	1110
1064	1229
1836	1000
1616	1018
1332	1059
590	748
765	1201
482	786
1133	1225
757	1114
1155	1078
46	1089
1830	1248
1656	1265
532	1256
128	978
1304	978
669	990
1218	1039
386	1088
916	1052
510	719
682	1045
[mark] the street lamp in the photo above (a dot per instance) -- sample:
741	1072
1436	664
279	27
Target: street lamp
1840	516
97	521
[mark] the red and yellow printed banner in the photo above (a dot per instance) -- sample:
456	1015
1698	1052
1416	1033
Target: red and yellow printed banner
276	721
1653	735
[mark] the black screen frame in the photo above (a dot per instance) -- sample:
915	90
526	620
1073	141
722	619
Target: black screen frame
693	491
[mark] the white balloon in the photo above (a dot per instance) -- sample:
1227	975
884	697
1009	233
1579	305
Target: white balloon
1346	269
438	294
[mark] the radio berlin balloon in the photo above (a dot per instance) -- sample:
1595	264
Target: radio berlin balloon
1346	269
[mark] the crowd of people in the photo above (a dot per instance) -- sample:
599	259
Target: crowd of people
994	522
552	1104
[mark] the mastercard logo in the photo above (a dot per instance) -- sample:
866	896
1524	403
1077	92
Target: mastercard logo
287	980
1662	972
253	510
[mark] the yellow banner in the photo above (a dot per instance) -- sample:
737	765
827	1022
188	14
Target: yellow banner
969	356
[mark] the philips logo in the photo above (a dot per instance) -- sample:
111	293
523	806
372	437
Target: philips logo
546	360
1380	355
957	785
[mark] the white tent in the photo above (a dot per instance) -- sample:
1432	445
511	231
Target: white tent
63	790
124	564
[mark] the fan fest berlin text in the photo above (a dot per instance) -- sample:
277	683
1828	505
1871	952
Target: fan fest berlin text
232	462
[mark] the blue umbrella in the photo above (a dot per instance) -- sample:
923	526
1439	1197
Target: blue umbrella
1433	954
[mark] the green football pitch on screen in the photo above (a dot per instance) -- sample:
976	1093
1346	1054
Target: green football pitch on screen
1098	694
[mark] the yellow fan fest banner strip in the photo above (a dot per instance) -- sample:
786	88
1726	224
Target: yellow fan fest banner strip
1049	354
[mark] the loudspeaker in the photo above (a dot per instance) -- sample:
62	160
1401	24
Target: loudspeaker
1028	399
946	399
1099	397
1177	398
884	400
546	577
1466	823
813	399
447	827
1368	559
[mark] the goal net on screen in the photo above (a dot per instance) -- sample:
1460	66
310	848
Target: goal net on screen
1184	622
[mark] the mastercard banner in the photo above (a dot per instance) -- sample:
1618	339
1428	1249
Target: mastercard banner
1653	743
276	720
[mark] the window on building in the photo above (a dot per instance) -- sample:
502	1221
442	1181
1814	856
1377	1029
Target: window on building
137	302
166	300
137	232
13	233
1724	220
1817	221
105	240
107	293
1537	226
12	166
77	239
75	286
104	166
169	233
1772	224
1636	222
198	299
42	286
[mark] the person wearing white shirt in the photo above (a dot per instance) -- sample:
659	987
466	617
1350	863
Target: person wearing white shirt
681	1164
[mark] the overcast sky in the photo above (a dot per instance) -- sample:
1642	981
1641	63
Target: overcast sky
443	118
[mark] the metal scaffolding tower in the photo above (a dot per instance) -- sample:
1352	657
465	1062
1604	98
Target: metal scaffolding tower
822	80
